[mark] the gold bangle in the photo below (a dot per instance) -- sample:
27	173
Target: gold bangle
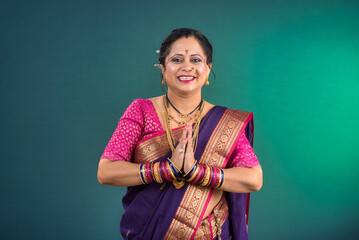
206	177
171	171
155	171
194	174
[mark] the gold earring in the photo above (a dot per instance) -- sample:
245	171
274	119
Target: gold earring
163	81
206	82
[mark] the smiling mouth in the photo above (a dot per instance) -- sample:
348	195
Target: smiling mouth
186	79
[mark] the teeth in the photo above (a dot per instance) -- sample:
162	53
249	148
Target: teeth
186	78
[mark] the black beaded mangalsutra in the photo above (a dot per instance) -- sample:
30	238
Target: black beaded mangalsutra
181	114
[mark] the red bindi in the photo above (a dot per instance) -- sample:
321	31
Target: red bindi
186	51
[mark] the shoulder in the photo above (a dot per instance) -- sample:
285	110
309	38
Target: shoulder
136	109
239	114
139	102
141	108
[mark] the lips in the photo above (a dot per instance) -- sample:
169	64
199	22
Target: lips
186	78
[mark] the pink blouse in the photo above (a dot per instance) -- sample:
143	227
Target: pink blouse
140	121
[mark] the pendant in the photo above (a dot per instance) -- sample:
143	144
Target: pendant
178	184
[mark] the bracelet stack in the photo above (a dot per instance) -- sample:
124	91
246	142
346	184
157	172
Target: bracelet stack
166	171
205	176
159	172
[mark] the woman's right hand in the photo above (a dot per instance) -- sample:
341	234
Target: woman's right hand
178	154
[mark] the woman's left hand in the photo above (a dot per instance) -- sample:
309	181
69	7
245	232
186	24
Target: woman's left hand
189	155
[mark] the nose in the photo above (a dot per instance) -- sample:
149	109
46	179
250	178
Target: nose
187	66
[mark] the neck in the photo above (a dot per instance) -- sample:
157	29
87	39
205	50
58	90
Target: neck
184	103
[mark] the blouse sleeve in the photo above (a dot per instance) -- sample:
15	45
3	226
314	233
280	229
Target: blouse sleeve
243	154
128	132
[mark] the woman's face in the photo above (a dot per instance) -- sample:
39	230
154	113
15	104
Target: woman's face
186	67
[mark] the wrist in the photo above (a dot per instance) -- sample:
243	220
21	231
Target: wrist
206	176
158	172
188	165
191	170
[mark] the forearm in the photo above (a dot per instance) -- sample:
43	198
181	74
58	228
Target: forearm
118	173
242	179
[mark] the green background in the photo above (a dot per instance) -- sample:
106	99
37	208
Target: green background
70	68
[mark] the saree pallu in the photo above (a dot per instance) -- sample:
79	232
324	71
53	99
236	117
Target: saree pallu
160	211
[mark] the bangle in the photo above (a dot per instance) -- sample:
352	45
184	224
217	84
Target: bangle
206	176
188	174
194	174
173	168
222	179
141	174
217	178
174	165
200	173
163	171
158	172
155	173
213	174
170	170
149	175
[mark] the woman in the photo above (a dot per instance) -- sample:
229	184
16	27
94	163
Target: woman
188	165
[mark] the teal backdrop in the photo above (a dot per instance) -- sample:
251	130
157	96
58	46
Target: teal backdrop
69	69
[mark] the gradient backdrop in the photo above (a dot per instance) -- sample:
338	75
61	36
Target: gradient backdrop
69	69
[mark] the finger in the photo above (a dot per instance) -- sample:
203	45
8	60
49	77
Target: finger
189	138
184	132
182	142
183	136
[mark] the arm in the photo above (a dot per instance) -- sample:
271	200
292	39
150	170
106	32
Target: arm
118	173
242	179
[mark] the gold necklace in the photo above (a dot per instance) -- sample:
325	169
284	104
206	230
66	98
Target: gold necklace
178	183
181	123
167	121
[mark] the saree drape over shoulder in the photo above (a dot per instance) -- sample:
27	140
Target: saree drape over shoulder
160	211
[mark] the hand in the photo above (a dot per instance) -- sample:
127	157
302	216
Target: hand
189	155
178	157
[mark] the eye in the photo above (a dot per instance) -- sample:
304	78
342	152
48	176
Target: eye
196	60
176	60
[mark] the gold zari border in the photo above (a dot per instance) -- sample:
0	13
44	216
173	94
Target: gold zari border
154	148
217	149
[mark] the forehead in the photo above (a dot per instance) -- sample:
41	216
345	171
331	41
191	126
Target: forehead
191	44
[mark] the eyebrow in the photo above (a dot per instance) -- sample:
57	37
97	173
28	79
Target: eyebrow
178	54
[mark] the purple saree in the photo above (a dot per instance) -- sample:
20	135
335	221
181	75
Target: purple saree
160	211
